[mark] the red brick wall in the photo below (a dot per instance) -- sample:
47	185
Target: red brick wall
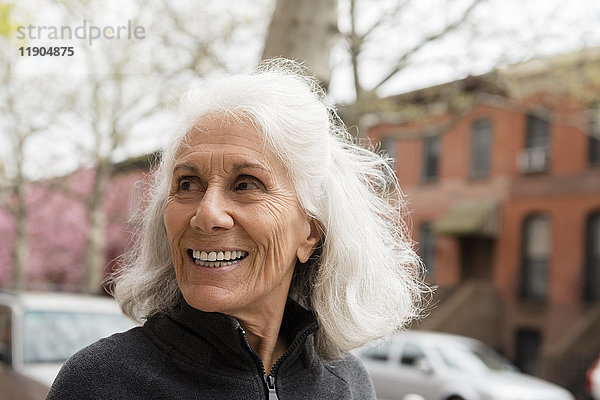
568	193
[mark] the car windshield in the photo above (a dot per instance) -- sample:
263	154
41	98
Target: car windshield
473	358
51	337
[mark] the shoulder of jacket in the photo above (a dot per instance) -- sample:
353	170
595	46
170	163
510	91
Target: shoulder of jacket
104	353
352	371
100	368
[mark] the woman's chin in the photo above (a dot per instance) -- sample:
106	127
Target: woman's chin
207	298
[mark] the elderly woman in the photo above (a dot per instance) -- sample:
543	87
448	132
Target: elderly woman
271	247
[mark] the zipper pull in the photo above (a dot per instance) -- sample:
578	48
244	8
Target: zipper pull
270	382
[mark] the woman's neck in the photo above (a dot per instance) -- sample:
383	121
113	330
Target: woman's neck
262	333
269	349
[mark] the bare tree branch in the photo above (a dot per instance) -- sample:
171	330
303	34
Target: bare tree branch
402	61
387	17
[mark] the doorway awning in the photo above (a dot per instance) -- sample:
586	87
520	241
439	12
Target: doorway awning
470	218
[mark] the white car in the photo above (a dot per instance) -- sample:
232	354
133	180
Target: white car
448	367
39	331
592	379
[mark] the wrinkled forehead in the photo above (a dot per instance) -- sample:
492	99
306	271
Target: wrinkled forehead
226	129
229	138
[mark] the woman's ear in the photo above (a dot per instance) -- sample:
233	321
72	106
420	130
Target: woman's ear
307	247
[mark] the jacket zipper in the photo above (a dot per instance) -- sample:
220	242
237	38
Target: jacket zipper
269	380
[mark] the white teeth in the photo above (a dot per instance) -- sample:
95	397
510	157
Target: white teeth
218	256
216	259
214	264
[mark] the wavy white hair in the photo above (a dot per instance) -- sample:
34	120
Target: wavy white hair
364	280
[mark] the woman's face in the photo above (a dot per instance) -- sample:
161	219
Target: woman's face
233	221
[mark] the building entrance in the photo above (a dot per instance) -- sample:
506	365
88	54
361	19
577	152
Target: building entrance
476	257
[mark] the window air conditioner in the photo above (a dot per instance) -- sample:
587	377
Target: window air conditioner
532	160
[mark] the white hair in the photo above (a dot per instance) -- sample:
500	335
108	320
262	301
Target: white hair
364	280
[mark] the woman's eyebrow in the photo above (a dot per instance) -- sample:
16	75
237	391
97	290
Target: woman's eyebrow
249	165
186	167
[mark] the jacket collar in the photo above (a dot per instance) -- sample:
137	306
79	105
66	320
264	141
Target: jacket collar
296	319
226	336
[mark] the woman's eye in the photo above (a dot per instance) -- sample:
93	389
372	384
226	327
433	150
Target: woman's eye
187	184
246	185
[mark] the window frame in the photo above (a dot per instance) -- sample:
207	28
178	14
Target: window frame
427	239
593	150
389	147
430	168
6	332
480	164
592	258
528	350
538	131
535	268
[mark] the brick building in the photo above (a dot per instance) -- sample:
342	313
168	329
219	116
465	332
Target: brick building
502	174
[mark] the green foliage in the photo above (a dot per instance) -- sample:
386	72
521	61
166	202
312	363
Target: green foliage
7	25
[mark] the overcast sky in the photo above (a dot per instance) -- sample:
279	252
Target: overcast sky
502	32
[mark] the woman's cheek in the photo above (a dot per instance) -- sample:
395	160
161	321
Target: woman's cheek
175	225
176	218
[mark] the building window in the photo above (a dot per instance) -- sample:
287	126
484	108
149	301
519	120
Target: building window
535	157
592	258
5	335
594	135
388	147
538	132
535	257
427	248
481	140
594	150
431	155
528	351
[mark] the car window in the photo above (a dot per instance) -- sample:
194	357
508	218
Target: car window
5	334
378	351
411	353
476	358
50	337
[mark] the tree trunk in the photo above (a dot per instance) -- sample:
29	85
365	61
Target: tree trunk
96	237
21	249
21	246
305	31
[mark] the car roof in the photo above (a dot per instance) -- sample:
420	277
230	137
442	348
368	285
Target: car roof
51	301
434	337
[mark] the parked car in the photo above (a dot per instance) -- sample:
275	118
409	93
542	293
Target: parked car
592	379
449	367
39	331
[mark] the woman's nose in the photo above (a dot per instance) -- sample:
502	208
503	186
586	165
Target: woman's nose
212	213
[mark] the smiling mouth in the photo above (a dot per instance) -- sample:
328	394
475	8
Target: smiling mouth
216	259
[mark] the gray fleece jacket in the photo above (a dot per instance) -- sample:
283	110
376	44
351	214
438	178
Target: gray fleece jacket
189	354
